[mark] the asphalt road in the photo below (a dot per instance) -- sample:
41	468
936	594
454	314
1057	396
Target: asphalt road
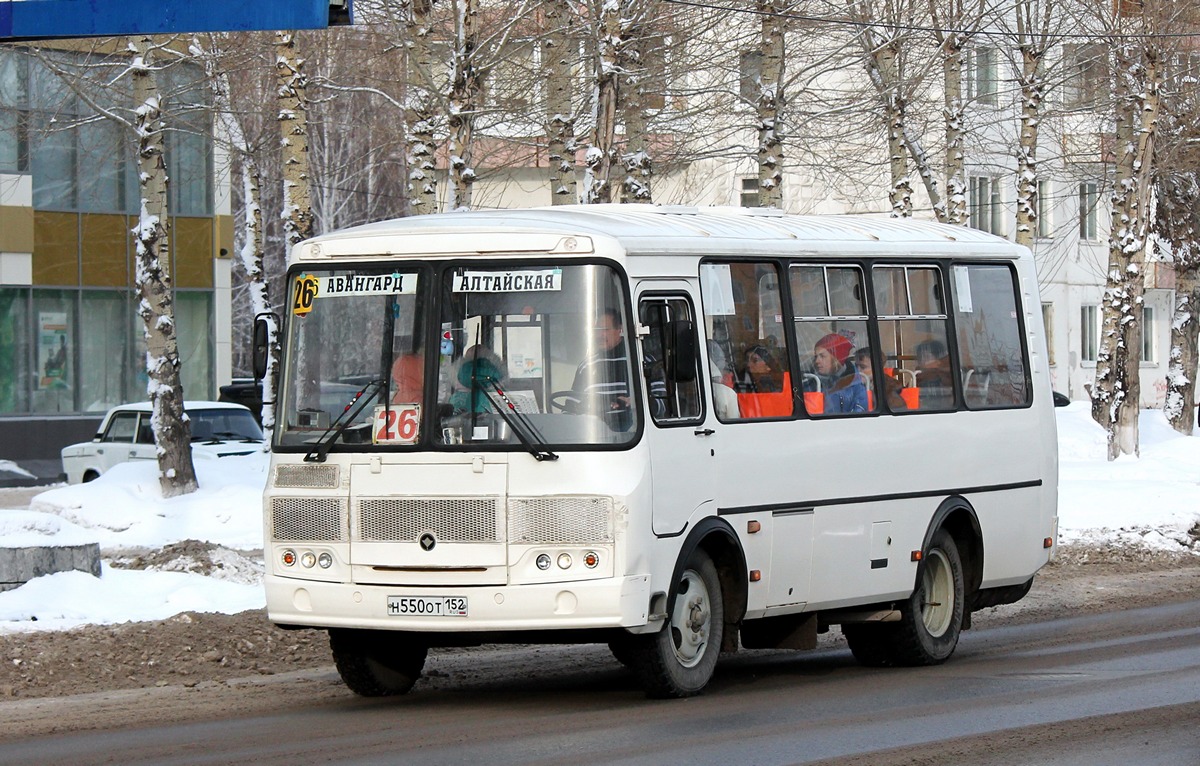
1112	688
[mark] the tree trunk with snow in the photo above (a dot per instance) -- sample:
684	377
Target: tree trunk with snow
1032	96
172	432
420	117
1116	391
636	161
770	104
884	73
293	131
1177	230
252	253
1034	21
465	98
557	59
953	114
602	151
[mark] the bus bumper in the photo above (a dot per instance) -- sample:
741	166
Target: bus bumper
621	602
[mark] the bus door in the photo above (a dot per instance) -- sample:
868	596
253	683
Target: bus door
681	457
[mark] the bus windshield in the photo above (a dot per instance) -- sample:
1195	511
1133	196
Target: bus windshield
503	356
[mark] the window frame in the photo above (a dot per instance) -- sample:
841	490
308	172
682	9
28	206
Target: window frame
1089	333
1089	213
666	297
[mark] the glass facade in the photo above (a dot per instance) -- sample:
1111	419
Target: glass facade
72	341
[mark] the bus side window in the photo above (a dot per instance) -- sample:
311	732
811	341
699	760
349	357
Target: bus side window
670	359
742	315
913	335
830	323
994	365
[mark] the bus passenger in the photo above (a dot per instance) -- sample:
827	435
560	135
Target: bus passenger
725	401
933	375
844	387
762	373
408	377
478	371
602	380
891	386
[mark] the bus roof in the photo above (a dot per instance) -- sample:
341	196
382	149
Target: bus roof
653	230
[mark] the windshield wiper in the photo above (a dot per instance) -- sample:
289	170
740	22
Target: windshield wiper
520	425
325	441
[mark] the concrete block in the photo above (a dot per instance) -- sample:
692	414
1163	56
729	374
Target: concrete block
20	565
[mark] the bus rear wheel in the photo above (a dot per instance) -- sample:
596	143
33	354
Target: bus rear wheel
679	660
376	663
930	622
930	625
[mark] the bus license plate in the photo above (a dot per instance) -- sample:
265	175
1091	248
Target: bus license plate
427	606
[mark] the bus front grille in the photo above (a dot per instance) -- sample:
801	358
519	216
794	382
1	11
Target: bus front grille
306	476
562	519
307	518
450	519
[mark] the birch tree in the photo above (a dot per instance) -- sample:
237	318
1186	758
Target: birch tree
559	52
464	101
636	161
1137	75
600	157
883	36
955	23
771	103
1034	39
420	118
1177	230
293	131
172	432
214	52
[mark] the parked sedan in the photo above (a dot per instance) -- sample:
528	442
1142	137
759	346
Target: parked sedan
219	429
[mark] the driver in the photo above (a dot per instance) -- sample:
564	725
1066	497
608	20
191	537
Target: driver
604	376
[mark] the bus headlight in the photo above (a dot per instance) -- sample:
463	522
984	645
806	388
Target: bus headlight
564	561
308	560
324	561
543	562
288	558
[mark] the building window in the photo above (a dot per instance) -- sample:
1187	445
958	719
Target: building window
1084	78
1149	336
1089	199
987	207
1089	333
1048	325
1045	224
750	195
982	79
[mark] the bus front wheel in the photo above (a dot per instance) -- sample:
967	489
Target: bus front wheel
376	663
679	660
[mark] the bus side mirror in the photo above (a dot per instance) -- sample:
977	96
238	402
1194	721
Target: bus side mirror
261	343
682	362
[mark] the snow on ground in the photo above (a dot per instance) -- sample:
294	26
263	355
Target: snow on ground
1153	500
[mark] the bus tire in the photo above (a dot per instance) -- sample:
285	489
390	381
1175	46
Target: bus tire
679	660
376	663
931	621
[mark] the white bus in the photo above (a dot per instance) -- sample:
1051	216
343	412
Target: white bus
676	431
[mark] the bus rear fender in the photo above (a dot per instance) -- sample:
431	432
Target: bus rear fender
715	537
957	516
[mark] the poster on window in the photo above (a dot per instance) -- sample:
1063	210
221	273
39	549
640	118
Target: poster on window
53	345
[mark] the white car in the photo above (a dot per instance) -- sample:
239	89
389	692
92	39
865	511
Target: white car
219	429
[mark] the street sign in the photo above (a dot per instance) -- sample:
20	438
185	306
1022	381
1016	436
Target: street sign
53	19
